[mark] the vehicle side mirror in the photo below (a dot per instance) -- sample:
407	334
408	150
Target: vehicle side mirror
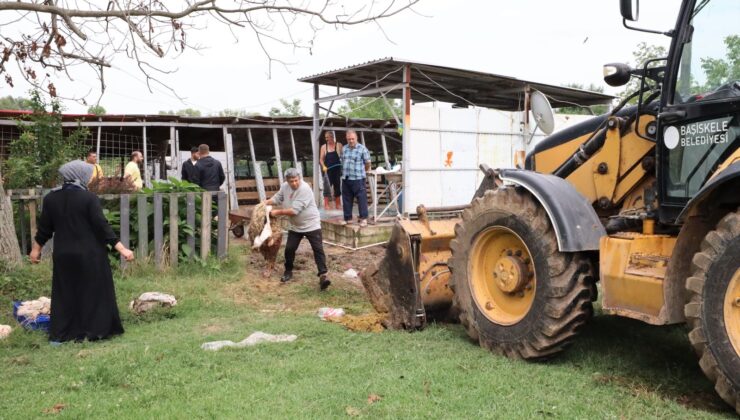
630	9
617	74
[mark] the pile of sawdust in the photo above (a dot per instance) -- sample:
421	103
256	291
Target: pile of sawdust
361	323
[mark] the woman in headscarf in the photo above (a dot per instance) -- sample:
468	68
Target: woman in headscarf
83	299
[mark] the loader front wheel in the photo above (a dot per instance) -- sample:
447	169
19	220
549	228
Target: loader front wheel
713	309
517	294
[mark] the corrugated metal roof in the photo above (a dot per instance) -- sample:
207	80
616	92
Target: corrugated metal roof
257	119
448	84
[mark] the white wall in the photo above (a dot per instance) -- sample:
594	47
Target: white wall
446	146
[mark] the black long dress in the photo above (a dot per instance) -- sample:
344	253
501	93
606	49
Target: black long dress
83	299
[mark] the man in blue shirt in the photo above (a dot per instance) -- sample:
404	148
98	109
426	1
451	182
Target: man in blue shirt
355	164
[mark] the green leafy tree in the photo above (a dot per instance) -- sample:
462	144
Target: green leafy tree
229	112
721	71
585	110
642	54
289	109
373	108
43	146
185	112
96	110
11	103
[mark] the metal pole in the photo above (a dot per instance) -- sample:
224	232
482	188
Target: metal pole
278	162
257	169
362	138
315	133
97	146
230	170
174	164
146	158
295	155
405	130
385	152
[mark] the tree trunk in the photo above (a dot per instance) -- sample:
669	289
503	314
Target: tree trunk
10	251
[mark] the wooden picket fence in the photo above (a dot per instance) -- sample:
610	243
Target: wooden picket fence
30	202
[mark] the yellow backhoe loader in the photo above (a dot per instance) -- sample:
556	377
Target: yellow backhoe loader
643	200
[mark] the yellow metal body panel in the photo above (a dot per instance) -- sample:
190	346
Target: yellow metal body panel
605	183
547	161
431	266
734	157
632	148
633	268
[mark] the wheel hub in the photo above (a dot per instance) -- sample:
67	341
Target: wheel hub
732	311
511	274
502	275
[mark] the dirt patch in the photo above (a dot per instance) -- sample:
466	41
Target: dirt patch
372	322
301	294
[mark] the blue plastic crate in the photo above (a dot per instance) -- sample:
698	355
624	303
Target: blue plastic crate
42	322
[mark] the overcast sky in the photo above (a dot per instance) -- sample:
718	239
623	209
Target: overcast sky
555	42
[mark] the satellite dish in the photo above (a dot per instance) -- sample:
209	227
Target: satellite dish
542	112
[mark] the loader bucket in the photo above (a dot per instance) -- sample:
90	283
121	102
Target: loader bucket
410	284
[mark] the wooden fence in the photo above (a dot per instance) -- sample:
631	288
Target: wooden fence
29	202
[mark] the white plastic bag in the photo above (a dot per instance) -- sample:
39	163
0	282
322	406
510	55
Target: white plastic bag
266	231
326	312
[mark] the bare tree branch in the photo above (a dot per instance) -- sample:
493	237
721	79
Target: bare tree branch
52	36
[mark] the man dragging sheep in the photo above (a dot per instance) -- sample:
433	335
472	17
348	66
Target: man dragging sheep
297	202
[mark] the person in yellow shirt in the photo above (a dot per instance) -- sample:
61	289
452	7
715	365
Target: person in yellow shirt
132	169
92	159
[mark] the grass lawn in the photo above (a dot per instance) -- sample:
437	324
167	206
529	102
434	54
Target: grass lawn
617	369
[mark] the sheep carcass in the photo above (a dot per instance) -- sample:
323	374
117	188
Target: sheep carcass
269	247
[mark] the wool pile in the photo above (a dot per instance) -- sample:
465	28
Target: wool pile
31	309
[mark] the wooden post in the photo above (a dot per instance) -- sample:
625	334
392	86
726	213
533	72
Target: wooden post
223	232
22	225
158	232
190	220
125	225
143	246
174	225
32	208
278	161
205	226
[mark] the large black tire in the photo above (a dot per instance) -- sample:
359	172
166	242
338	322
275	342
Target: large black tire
715	265
563	289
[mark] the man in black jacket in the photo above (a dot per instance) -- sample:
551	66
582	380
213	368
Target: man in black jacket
210	173
189	171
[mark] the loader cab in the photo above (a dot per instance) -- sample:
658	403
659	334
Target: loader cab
698	129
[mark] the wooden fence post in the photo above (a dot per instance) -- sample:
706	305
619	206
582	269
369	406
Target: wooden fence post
158	232
205	226
22	225
174	225
32	207
125	225
223	232
143	245
190	220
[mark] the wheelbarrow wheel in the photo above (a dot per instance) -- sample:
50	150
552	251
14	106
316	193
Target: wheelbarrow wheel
238	231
